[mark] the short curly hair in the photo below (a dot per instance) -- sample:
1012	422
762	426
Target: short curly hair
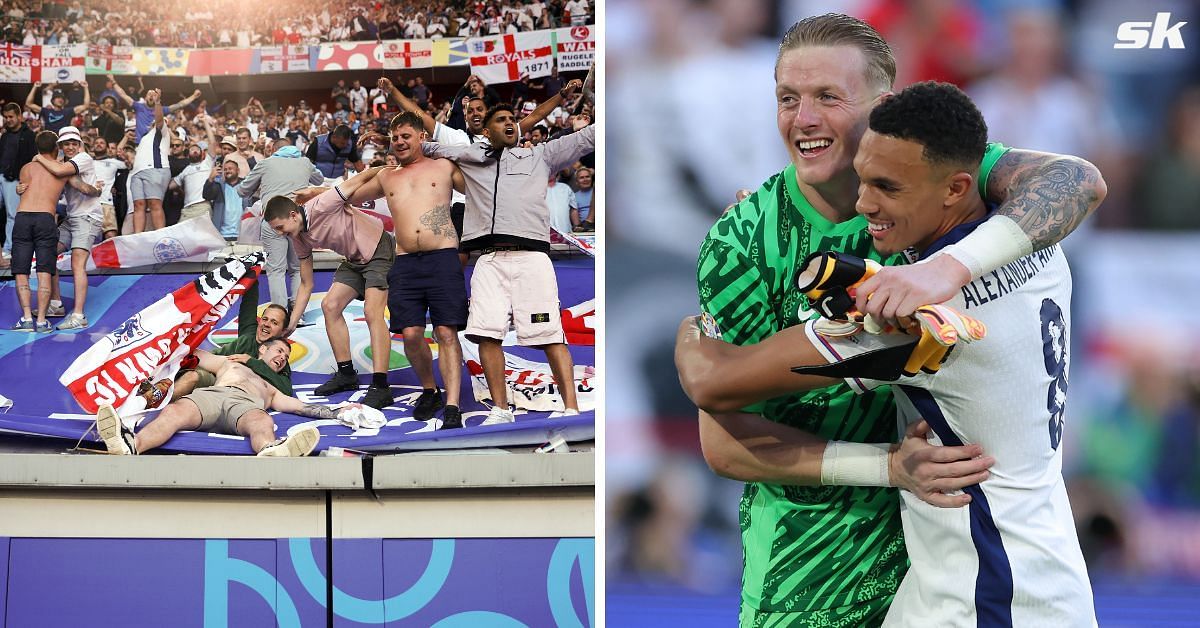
939	117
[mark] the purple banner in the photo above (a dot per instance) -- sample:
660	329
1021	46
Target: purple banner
446	583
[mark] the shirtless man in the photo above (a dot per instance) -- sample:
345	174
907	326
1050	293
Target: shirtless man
427	275
34	230
236	404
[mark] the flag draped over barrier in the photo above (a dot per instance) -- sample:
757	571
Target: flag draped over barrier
133	367
530	384
188	241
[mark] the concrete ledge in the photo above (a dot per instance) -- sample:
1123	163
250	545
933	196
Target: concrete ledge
487	469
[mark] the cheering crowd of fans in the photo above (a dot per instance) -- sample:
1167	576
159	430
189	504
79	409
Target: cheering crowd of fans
203	134
228	23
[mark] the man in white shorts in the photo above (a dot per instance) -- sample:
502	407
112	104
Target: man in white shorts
508	221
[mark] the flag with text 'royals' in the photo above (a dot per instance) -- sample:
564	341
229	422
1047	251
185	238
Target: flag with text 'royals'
133	367
42	64
505	58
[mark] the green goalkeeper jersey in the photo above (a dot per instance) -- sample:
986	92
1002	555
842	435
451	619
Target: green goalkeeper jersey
813	555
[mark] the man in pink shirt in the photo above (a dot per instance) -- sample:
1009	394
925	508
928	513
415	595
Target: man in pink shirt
326	221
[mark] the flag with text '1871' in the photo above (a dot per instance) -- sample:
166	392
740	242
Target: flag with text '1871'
506	58
133	367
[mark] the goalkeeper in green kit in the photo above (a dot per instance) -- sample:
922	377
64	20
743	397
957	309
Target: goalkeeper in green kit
821	532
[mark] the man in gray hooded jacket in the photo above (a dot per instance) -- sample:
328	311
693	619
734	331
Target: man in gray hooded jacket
507	219
281	174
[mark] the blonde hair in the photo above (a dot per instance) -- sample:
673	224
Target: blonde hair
836	29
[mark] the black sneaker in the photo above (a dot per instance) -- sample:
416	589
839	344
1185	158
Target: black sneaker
451	418
378	398
340	382
427	404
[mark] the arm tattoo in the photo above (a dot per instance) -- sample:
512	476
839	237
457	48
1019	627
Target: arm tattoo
1047	195
315	411
437	220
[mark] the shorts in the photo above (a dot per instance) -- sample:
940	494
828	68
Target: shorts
204	378
428	281
203	209
34	232
222	406
520	285
373	274
149	183
457	211
79	232
110	218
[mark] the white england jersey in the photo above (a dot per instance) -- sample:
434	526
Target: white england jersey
1011	557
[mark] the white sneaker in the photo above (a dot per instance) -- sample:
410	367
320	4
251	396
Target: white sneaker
74	321
55	311
497	416
117	438
296	445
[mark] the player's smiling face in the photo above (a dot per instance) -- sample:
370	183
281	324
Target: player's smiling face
901	194
823	101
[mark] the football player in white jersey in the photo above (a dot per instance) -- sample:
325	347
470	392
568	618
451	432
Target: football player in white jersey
1010	556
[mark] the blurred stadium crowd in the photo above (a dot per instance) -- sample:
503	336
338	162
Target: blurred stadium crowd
229	23
1046	76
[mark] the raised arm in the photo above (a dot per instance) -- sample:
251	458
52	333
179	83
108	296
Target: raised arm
549	105
87	98
121	91
407	104
1040	197
213	147
183	103
29	100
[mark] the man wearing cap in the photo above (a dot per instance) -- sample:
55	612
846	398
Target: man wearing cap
81	228
57	115
229	152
